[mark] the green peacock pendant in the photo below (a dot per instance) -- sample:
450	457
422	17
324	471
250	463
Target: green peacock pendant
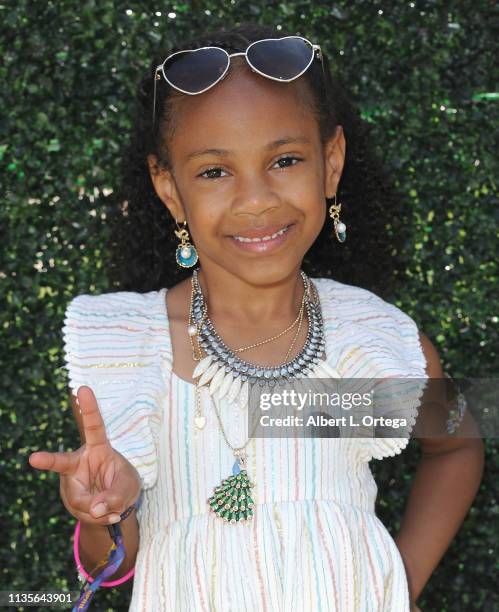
232	500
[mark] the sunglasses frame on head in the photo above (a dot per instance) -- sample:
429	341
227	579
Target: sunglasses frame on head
316	52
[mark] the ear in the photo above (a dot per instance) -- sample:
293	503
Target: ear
334	158
166	189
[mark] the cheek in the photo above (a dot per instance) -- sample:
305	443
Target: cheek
205	218
316	198
310	201
315	218
305	186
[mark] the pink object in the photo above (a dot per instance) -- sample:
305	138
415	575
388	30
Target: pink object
109	583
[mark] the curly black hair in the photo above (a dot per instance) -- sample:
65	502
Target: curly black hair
142	242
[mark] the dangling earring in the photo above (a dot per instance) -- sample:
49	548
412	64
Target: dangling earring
186	253
339	227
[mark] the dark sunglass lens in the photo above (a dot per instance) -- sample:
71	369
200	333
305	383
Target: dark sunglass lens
196	70
281	59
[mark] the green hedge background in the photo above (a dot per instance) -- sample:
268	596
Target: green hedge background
423	74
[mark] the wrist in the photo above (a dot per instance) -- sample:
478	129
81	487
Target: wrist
92	532
135	505
91	527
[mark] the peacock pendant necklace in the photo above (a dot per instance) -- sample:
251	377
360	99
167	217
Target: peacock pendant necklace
232	499
225	374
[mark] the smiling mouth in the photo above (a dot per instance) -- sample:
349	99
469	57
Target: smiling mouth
273	236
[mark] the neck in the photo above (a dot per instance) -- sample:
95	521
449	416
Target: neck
237	301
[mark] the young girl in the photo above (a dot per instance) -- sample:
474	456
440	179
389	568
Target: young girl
242	143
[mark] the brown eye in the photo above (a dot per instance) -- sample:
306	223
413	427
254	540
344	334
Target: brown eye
211	173
286	159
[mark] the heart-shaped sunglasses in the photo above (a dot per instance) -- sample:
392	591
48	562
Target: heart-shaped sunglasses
195	71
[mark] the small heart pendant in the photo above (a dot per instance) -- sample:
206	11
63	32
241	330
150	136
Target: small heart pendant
200	421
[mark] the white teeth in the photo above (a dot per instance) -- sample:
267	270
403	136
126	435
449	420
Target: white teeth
265	238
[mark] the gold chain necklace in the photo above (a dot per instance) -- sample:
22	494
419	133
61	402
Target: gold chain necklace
290	327
192	330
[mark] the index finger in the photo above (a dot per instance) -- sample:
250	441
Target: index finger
93	425
62	462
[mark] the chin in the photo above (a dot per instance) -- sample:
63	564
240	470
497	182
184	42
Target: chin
266	272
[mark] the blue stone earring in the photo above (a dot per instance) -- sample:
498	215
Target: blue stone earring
340	228
186	253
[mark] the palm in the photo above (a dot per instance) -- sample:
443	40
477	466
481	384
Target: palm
95	472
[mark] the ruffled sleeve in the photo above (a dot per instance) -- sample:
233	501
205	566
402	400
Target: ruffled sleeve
401	395
118	344
370	338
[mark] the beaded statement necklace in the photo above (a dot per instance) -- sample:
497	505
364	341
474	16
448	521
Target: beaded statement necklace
225	374
222	364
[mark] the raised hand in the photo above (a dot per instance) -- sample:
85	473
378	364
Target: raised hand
96	482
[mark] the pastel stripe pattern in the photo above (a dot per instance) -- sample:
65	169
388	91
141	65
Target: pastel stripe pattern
316	542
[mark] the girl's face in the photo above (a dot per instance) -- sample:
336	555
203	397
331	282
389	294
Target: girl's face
248	164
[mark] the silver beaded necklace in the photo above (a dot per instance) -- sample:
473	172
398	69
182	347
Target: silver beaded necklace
222	364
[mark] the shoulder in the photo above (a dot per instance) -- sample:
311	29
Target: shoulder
368	335
350	298
343	294
114	338
121	311
361	308
114	303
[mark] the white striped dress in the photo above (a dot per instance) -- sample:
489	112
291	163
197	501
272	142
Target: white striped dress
315	542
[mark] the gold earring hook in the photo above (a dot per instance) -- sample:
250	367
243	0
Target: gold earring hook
181	232
334	210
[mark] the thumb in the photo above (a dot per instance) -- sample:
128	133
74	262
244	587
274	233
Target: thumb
63	463
117	498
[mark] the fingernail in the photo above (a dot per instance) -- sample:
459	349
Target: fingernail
114	518
99	509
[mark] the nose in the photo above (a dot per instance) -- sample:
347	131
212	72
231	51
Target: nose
254	197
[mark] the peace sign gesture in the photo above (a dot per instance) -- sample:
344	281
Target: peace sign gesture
97	483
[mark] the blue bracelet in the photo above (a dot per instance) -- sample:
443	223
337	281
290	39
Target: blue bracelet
134	506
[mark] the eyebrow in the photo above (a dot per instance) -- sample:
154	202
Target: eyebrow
269	147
